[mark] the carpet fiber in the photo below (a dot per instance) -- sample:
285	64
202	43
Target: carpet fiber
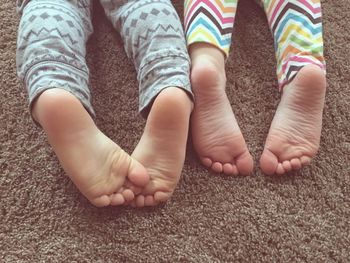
298	217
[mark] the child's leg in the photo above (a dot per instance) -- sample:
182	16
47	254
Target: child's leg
216	135
154	40
51	63
295	131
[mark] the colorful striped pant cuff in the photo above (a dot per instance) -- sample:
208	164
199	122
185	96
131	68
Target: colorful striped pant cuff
296	26
293	64
210	21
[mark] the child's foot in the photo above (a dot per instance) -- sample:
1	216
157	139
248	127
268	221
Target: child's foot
98	167
215	132
162	147
295	131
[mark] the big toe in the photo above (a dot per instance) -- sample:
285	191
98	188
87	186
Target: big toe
268	162
245	164
138	174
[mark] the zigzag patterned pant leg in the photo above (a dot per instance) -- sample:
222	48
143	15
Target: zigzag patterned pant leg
210	21
154	39
51	47
297	29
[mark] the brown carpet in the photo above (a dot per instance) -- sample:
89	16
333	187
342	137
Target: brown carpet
302	217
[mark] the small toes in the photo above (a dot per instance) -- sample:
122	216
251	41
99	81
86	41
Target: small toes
161	197
128	195
271	163
135	189
228	169
207	162
149	201
284	167
214	166
305	160
296	164
217	167
117	199
101	201
280	170
235	170
140	201
287	166
244	165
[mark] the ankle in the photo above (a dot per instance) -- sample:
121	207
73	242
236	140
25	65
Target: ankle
312	75
176	97
208	66
57	110
199	51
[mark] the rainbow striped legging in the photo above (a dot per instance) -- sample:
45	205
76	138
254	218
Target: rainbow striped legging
296	26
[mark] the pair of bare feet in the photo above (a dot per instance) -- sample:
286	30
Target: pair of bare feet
101	170
106	175
294	135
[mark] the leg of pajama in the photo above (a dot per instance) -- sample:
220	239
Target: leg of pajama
154	40
294	135
296	26
216	135
210	22
51	64
51	48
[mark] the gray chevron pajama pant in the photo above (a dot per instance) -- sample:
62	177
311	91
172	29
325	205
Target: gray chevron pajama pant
51	46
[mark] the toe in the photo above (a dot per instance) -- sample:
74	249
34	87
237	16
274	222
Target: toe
245	163
305	160
207	162
235	170
161	197
280	170
128	195
287	166
138	174
268	162
135	189
140	201
228	169
101	201
149	200
117	199
296	164
217	167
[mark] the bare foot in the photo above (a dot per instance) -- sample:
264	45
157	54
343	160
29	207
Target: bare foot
215	132
97	166
162	147
294	135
